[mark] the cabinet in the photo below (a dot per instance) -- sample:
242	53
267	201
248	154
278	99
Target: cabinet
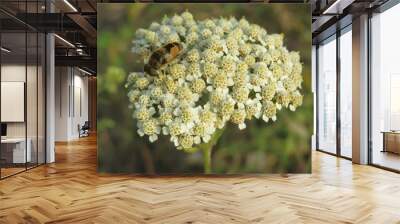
391	142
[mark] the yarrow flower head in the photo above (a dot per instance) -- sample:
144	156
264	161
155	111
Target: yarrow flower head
228	71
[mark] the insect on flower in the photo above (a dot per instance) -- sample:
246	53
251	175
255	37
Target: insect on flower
162	56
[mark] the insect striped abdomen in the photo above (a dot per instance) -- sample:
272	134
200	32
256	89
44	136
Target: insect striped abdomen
162	56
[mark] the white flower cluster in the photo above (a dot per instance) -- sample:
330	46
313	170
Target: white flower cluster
229	71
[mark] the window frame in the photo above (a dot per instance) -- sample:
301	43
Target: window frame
333	37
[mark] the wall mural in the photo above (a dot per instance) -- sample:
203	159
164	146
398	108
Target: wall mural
204	88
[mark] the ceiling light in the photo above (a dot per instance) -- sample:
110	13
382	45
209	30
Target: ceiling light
333	6
79	51
65	41
84	71
70	5
337	7
5	50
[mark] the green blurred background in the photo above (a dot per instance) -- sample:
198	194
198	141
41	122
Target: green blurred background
283	146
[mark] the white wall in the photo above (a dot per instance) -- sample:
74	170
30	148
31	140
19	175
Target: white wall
33	126
62	81
71	94
80	109
16	73
12	73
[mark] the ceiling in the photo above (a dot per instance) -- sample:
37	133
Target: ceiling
330	15
74	22
19	54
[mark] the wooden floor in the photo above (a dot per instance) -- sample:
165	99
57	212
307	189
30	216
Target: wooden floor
70	191
387	159
5	172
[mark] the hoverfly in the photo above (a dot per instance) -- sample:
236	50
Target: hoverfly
162	56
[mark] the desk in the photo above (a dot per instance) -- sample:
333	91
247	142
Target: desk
15	148
391	141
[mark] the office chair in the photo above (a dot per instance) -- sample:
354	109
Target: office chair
84	130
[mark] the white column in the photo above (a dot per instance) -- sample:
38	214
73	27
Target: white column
50	93
360	90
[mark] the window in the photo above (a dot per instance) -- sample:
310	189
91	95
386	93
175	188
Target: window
385	89
327	96
346	92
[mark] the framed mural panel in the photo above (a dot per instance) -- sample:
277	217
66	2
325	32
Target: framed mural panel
204	88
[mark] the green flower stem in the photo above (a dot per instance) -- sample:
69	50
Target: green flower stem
207	150
207	159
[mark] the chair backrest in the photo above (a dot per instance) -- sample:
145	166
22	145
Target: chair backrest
86	124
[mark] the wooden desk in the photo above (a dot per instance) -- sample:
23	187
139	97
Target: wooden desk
13	150
391	141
